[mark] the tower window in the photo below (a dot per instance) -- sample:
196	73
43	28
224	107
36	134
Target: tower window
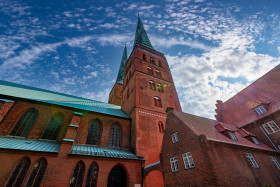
276	163
188	160
174	164
160	127
157	102
144	57
92	175
271	127
53	127
232	136
115	136
152	60
158	73
152	85
159	64
159	88
37	173
94	132
78	175
252	160
24	124
150	71
19	172
260	110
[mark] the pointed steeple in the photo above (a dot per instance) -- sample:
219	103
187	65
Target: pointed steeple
121	70
141	36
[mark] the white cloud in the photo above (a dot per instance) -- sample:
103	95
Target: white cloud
98	96
278	49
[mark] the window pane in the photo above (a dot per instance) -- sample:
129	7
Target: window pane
24	124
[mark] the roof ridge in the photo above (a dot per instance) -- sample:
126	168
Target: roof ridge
49	91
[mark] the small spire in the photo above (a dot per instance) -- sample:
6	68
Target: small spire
141	36
120	76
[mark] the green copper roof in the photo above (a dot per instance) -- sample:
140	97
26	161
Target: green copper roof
121	70
36	94
141	36
89	150
29	145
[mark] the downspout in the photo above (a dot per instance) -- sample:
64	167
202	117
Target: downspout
268	138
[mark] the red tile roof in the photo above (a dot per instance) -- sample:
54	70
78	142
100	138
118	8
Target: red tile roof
240	108
245	133
201	125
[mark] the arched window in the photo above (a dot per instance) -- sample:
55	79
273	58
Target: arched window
159	88
24	124
144	57
150	71
158	73
53	127
19	172
94	132
78	175
152	85
160	126
117	177
152	60
157	102
92	175
37	173
159	64
115	136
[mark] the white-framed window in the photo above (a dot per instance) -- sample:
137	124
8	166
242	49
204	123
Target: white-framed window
252	161
260	110
232	136
271	127
188	160
276	163
255	140
175	137
174	164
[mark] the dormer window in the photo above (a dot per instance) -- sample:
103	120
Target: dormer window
260	110
255	140
232	136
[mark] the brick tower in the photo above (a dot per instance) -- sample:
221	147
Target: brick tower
147	91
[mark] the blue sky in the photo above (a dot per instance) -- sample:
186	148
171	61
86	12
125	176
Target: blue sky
214	48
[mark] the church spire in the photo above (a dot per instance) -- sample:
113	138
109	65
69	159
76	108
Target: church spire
141	36
121	70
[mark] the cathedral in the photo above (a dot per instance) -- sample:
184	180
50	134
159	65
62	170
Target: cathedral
140	137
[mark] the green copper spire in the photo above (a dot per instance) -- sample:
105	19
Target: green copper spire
121	70
141	36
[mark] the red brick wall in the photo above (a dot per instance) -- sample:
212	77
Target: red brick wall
115	96
60	169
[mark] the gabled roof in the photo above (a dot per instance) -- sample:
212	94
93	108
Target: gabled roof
121	69
45	96
201	125
88	150
240	108
29	145
141	36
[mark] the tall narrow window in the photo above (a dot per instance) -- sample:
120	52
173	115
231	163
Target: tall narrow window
157	102
152	60
160	127
37	173
252	160
24	124
188	160
152	85
53	127
94	132
92	175
115	136
159	88
144	57
158	73
159	64
78	175
150	71
174	164
271	127
19	172
275	162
